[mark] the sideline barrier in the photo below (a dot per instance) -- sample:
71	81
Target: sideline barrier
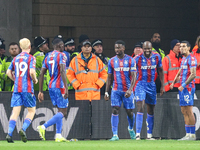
87	120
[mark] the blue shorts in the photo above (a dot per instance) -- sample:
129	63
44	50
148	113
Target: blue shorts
23	98
146	91
117	97
186	97
57	99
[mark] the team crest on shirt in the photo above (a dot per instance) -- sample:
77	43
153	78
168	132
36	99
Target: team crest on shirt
126	62
116	61
153	59
143	60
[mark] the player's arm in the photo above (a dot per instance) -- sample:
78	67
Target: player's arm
9	74
41	80
63	75
33	75
108	84
161	76
190	78
175	79
129	91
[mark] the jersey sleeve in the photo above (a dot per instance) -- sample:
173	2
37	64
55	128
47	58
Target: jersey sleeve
44	63
192	62
133	65
11	67
110	69
159	61
63	59
33	62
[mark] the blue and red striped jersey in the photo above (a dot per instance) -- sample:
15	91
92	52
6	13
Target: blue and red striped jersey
21	66
147	67
52	63
121	69
68	58
187	63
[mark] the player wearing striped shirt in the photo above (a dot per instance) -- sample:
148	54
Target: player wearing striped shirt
123	68
187	74
55	62
22	72
148	63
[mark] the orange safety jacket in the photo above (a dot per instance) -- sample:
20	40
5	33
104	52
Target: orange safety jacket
87	84
171	66
197	55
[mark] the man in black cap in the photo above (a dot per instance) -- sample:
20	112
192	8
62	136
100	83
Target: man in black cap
171	65
97	45
42	48
82	38
137	48
70	48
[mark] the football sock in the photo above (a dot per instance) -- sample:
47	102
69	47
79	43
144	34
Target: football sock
131	121
59	124
150	120
192	129
139	122
26	124
54	119
114	123
187	129
11	127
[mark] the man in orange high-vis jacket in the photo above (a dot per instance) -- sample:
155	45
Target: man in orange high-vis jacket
171	65
196	53
87	74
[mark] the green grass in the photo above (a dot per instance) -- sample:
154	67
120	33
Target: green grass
102	145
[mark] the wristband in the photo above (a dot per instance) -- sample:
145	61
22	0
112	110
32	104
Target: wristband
106	93
183	85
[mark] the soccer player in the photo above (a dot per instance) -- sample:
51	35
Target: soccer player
55	62
123	68
24	77
145	88
187	74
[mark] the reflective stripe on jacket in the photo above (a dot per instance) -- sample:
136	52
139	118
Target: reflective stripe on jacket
87	84
197	55
171	66
161	52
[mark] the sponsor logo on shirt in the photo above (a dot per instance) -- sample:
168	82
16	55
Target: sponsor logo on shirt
122	69
148	67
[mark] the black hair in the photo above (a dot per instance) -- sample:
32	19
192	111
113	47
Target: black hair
188	44
56	41
120	42
13	43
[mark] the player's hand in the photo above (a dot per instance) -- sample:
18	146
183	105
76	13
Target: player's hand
35	81
40	96
180	88
106	96
161	91
66	94
128	94
171	86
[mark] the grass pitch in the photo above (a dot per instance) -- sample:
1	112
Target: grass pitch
102	145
